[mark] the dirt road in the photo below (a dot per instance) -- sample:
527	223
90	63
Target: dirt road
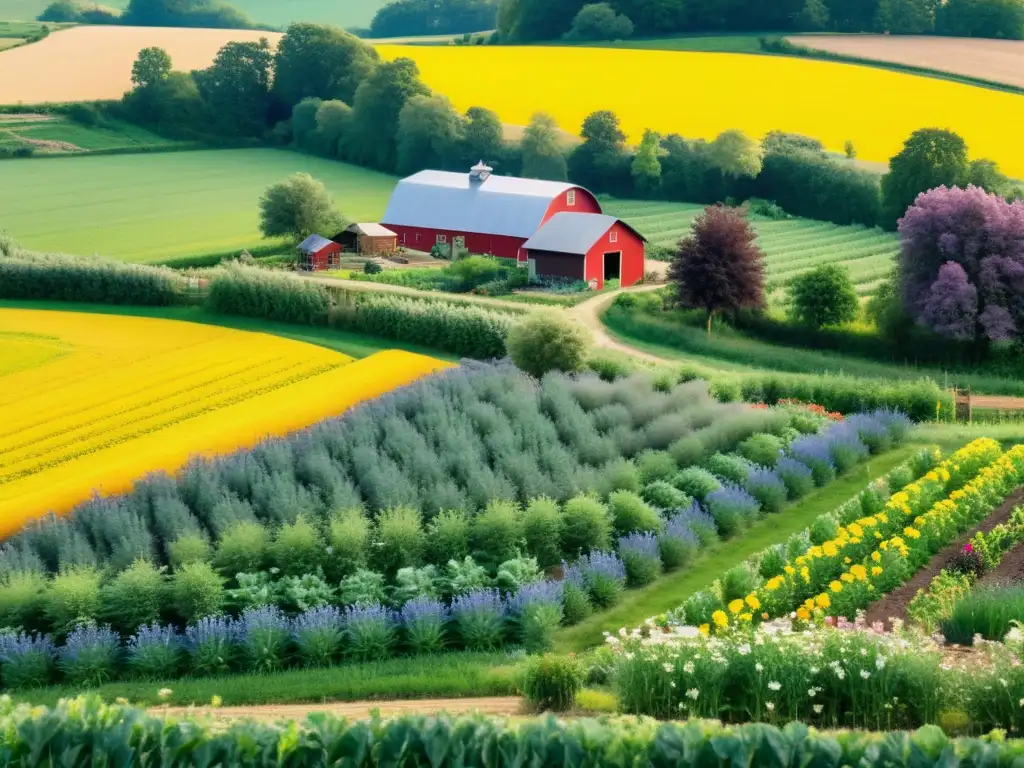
493	705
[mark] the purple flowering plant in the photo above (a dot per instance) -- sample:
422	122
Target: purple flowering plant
732	508
154	652
767	487
641	556
370	631
604	574
90	654
677	543
318	634
796	476
815	452
480	618
263	634
211	644
537	611
425	620
27	659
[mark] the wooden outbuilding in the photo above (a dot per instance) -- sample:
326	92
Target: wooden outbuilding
367	239
587	246
317	253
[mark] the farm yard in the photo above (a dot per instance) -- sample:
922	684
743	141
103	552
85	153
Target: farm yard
997	61
55	134
94	402
879	108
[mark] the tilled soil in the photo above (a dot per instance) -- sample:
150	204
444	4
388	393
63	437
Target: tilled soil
894	605
491	705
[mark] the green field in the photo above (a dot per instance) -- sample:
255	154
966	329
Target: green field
53	134
791	247
279	13
156	206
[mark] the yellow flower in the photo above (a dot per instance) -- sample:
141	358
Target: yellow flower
876	556
720	619
773	583
803	614
704	629
859	572
847	577
882	517
746	617
847	561
216	701
876	570
856	530
752	601
829	548
912	532
835	586
736	606
789	569
822	601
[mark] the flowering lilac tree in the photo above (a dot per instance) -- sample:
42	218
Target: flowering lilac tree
962	264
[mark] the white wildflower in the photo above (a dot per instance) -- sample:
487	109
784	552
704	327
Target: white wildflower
759	667
163	693
774	686
864	674
769	706
818	708
812	692
688	667
668	667
744	649
693	693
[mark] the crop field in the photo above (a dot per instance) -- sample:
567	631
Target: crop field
156	206
875	108
53	134
87	63
790	247
999	61
92	402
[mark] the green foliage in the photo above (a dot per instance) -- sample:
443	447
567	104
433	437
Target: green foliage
663	495
514	573
400	539
541	149
761	449
363	588
25	275
238	290
586	526
631	513
73	598
735	154
619	475
575	605
987	611
737	583
298	548
696	482
728	467
545	342
550	683
191	547
447	537
929	608
349	541
411	583
655	465
930	158
242	548
599	21
496	534
297	207
824	296
22	599
197	591
134	597
465	576
542	530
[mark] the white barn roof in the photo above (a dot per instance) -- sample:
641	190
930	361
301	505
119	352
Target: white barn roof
498	205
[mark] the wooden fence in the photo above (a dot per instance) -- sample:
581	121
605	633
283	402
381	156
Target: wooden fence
965	403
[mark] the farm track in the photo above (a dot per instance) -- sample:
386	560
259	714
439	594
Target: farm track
402	290
491	705
894	604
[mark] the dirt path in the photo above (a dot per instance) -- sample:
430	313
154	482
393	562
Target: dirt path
365	285
894	604
589	314
493	705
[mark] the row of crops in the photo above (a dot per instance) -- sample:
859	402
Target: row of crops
791	246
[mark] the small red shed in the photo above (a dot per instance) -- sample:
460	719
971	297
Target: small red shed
318	253
587	246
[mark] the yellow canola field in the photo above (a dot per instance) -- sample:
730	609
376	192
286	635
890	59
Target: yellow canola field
699	95
93	402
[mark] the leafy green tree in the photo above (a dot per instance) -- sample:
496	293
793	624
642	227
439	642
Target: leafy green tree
304	123
718	266
824	296
483	137
428	134
601	162
986	174
321	61
375	112
735	154
646	167
298	207
547	342
654	17
151	66
599	21
930	158
981	18
906	17
528	20
236	88
543	157
813	17
849	150
333	123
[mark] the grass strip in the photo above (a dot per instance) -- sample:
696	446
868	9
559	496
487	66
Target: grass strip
672	590
357	345
450	675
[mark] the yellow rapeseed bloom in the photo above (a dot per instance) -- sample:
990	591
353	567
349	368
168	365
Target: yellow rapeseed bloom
878	110
736	606
720	619
119	397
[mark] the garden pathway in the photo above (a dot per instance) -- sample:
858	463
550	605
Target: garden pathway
589	314
491	705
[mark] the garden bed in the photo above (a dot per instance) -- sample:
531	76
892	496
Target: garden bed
895	603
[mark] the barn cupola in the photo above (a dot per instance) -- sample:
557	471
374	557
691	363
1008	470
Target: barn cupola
479	173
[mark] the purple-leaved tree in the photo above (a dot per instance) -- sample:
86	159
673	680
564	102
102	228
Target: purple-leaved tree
961	264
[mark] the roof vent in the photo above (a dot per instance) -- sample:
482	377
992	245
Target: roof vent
479	172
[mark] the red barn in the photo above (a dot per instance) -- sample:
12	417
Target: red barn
318	253
587	246
486	214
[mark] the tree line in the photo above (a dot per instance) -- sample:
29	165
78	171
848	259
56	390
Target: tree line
401	18
533	20
150	13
